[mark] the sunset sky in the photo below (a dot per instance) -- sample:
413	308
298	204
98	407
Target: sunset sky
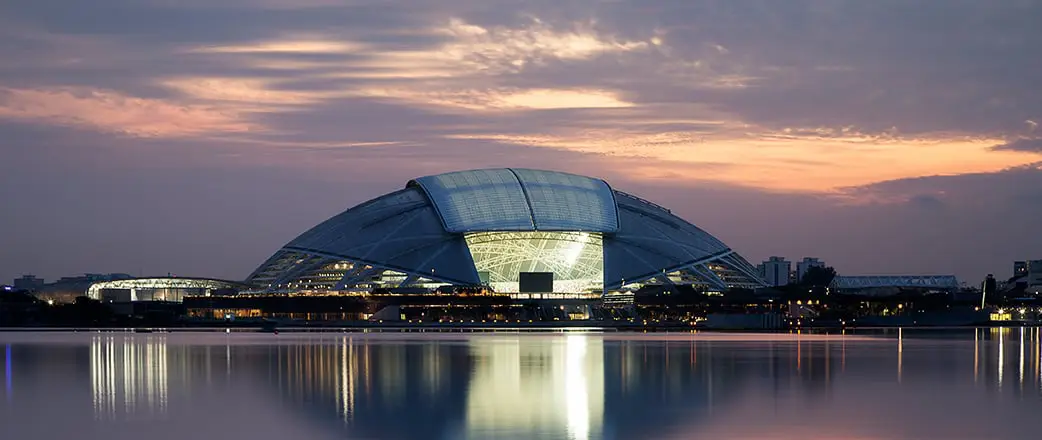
197	136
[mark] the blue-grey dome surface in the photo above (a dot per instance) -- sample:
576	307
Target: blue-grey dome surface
443	229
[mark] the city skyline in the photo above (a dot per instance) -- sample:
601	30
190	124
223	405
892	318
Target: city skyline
196	138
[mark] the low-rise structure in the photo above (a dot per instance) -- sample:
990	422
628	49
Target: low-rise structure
67	289
28	282
162	289
892	284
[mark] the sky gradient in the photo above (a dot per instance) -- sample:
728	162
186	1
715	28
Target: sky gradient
196	137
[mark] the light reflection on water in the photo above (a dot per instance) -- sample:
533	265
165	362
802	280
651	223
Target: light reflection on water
520	385
129	375
899	384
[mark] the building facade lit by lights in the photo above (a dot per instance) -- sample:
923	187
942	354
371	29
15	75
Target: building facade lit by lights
531	233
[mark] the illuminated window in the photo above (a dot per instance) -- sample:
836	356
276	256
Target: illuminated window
1004	316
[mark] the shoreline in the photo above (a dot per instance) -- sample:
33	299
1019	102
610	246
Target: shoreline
487	327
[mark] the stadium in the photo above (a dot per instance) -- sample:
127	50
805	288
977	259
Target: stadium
532	234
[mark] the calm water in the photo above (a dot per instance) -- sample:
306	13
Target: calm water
973	384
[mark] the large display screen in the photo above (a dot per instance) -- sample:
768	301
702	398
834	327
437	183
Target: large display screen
536	282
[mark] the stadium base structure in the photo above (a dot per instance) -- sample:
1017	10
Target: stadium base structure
530	233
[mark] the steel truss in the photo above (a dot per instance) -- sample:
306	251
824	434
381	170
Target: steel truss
332	273
575	258
718	272
873	281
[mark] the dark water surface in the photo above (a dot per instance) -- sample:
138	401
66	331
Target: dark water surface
967	384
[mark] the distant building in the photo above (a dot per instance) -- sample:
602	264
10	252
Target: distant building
28	282
1034	276
66	289
163	289
803	266
776	271
93	277
1020	268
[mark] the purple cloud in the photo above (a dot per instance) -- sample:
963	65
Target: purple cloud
1030	145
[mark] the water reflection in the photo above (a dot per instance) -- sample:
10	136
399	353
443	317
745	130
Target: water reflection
977	383
128	376
328	374
1015	351
7	371
519	384
900	353
1002	354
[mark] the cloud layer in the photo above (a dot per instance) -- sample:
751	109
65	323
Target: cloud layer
884	109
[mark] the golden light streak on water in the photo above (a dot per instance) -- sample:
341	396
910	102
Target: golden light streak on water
1020	370
976	355
1002	355
577	405
131	373
900	354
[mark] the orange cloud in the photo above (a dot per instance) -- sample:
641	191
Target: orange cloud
502	48
501	99
459	72
298	44
112	111
778	160
468	49
251	94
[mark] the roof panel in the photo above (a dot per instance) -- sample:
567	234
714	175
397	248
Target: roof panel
521	200
567	202
490	200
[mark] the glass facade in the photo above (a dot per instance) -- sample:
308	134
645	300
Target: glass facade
575	258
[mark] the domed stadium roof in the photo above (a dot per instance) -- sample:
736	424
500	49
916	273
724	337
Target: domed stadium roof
485	227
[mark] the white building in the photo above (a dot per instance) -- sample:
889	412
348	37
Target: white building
806	264
776	271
